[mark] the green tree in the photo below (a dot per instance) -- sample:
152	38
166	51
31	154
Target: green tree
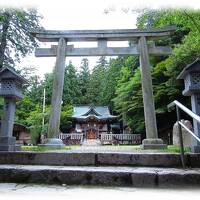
84	80
186	47
34	123
65	118
16	41
71	90
97	81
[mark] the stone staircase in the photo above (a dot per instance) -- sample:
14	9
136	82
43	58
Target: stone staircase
91	142
106	169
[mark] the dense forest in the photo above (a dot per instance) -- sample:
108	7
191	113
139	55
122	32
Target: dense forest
114	82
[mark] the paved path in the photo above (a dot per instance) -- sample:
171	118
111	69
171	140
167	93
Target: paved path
12	191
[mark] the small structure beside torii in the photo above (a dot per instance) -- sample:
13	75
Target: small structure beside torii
139	40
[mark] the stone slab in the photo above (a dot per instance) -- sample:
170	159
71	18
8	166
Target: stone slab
139	159
99	159
153	146
41	158
194	160
105	176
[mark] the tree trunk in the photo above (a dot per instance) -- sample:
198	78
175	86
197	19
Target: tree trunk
3	40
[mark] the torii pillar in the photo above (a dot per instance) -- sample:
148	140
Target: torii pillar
152	141
59	72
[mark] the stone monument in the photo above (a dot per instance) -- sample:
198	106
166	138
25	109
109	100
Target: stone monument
187	138
11	89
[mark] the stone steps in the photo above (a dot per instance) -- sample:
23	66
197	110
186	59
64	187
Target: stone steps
91	142
99	159
104	176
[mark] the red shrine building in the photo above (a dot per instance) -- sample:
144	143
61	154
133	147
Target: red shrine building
92	121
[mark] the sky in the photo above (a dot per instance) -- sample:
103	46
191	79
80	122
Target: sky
87	14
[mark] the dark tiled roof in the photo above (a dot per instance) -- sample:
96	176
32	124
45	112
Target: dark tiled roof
98	112
194	67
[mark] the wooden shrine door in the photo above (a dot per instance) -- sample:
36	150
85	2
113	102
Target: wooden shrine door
91	134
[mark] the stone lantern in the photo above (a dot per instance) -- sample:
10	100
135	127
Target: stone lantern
11	89
191	76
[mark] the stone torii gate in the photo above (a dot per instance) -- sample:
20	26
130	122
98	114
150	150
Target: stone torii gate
139	46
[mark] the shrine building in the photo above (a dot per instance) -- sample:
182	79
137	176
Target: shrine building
93	121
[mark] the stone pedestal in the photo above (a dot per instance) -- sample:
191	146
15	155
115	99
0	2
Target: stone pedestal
7	144
195	149
53	143
195	101
153	144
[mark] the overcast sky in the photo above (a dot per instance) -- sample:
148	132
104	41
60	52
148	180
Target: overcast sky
87	14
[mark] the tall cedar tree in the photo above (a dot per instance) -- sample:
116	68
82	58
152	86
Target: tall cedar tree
16	40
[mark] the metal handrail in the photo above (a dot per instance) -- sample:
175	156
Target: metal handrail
179	106
188	130
185	109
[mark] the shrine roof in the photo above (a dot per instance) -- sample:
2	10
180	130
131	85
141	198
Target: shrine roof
97	112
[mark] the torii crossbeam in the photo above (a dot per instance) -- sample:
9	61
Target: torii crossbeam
139	46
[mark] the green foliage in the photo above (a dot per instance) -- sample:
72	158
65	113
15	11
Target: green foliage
128	100
16	41
34	122
83	81
43	148
71	91
186	48
97	81
110	81
65	118
24	108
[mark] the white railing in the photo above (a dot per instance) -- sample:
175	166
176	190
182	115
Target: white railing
71	136
135	138
104	137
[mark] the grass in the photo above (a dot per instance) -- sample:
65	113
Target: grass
135	148
176	149
41	148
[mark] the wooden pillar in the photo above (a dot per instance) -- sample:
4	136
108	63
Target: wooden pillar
151	140
54	121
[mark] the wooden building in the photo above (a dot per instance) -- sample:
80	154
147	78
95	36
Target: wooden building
21	133
92	121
